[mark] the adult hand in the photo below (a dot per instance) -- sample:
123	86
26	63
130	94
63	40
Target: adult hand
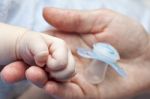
82	29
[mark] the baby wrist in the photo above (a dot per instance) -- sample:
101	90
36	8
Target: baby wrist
9	36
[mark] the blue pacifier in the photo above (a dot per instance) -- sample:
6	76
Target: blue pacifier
104	55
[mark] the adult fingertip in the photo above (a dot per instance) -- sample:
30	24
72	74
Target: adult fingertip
47	12
37	76
13	73
51	87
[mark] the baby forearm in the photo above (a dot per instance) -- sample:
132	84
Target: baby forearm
8	38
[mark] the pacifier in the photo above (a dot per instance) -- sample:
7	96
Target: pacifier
103	55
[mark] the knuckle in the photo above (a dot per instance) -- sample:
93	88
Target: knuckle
62	63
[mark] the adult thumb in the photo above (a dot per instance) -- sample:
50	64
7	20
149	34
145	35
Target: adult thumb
70	20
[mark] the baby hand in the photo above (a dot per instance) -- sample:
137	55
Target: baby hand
41	49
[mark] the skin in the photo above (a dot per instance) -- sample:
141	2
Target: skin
39	49
82	29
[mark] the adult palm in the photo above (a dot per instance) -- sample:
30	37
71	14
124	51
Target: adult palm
83	29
